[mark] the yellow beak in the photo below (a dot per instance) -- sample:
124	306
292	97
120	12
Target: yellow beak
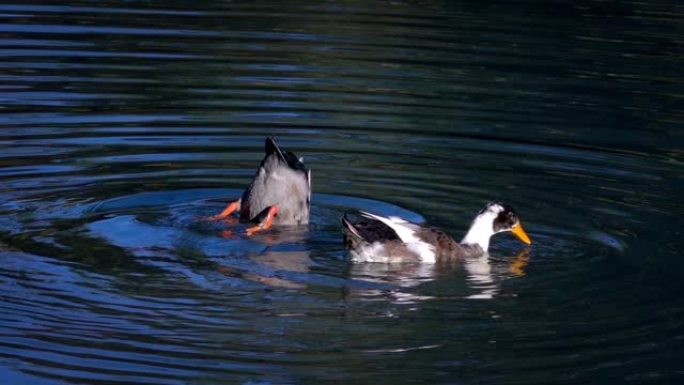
521	234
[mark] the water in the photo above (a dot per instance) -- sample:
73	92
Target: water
121	123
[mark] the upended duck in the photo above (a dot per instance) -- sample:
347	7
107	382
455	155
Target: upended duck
279	194
374	238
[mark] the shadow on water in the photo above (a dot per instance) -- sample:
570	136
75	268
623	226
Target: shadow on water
122	124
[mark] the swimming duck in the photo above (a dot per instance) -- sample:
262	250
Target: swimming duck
374	238
279	194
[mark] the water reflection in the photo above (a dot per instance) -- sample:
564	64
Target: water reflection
518	263
277	263
483	275
486	278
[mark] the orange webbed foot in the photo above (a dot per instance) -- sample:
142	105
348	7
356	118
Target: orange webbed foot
231	208
266	223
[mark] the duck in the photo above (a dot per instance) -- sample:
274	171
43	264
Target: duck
376	238
278	195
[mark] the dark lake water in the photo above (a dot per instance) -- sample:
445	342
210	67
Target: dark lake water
122	122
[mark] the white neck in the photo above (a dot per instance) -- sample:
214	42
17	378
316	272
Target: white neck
480	231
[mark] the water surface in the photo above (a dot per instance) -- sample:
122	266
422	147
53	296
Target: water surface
122	123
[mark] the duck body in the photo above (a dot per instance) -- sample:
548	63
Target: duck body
374	238
279	193
281	180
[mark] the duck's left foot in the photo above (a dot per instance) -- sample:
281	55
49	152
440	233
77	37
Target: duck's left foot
231	208
265	220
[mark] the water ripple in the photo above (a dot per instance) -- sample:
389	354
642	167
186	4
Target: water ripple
124	124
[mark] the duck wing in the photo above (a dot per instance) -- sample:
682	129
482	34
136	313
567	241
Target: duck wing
388	239
367	230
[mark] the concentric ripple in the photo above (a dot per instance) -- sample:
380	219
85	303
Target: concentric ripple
123	124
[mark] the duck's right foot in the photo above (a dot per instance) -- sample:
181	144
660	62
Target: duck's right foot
264	224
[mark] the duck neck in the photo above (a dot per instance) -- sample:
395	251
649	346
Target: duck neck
479	233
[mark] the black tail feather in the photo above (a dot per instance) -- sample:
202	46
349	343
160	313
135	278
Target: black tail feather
271	147
348	226
287	157
351	234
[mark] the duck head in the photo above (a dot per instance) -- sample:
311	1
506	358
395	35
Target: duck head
496	217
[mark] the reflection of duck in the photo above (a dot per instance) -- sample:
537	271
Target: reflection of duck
519	262
483	277
402	275
272	267
279	193
374	238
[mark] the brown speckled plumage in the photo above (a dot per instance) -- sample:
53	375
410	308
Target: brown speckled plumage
447	247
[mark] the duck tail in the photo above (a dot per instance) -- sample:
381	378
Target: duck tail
271	147
351	234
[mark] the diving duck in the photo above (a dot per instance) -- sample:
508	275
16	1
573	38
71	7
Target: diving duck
279	194
374	238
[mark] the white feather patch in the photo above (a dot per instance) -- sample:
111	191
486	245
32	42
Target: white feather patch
425	251
397	220
374	252
276	176
406	234
482	229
